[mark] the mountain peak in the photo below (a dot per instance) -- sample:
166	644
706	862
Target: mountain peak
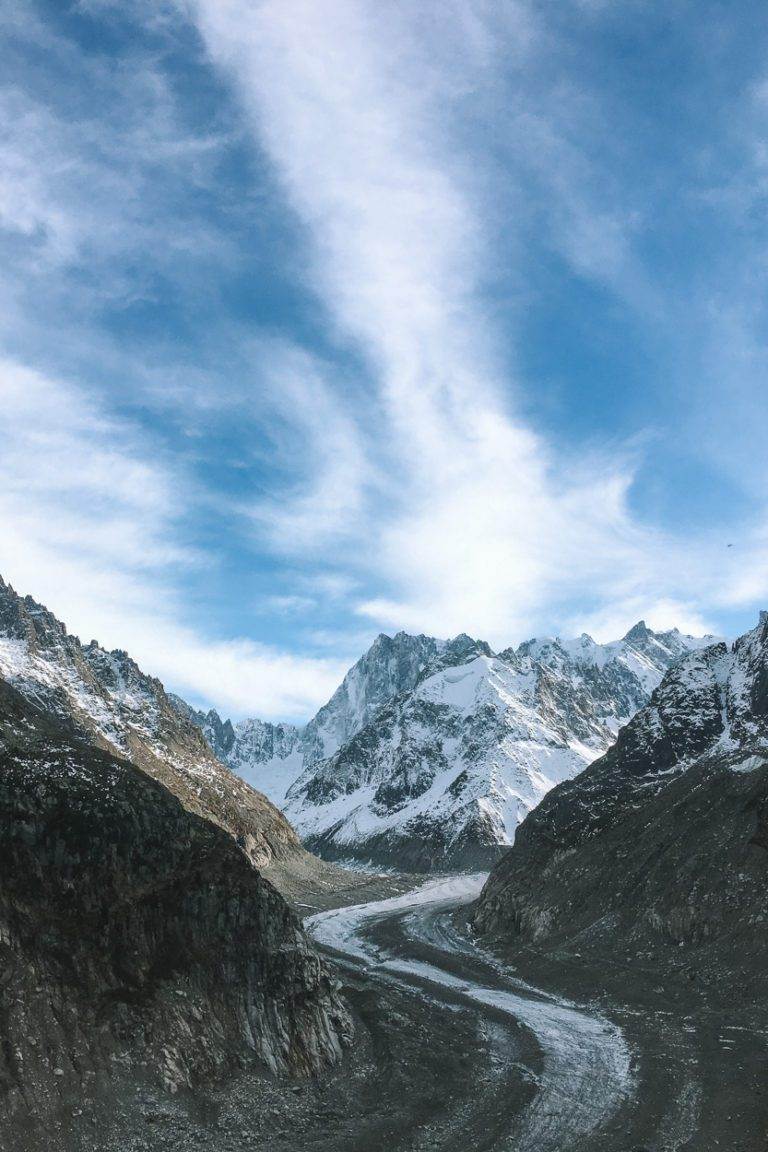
463	644
637	632
463	638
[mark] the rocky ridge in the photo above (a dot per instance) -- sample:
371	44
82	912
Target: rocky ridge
104	697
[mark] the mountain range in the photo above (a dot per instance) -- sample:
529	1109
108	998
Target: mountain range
427	756
431	752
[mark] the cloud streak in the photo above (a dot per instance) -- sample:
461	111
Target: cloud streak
481	527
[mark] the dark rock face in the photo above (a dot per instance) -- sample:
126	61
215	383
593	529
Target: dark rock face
138	944
663	841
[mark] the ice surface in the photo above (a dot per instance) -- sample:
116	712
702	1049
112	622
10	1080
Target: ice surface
586	1071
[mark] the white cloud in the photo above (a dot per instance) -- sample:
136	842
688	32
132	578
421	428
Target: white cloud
412	472
78	479
477	524
240	677
316	448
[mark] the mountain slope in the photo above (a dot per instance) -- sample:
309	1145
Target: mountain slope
438	773
664	841
393	664
139	947
105	698
272	756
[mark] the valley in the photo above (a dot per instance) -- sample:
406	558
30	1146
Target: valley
461	1047
604	1055
383	576
177	969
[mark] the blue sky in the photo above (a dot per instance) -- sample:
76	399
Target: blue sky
321	319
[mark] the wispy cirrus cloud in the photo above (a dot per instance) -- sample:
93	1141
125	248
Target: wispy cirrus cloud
482	526
318	462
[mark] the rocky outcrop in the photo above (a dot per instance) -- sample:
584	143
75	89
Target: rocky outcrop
662	843
139	946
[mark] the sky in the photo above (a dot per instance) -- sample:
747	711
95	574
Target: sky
320	319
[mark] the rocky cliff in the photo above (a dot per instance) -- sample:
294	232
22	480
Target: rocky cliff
139	946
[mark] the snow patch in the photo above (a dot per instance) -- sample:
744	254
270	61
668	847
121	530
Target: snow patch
749	764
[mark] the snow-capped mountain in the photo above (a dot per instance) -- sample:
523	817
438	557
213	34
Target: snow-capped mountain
431	752
273	756
390	666
663	842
